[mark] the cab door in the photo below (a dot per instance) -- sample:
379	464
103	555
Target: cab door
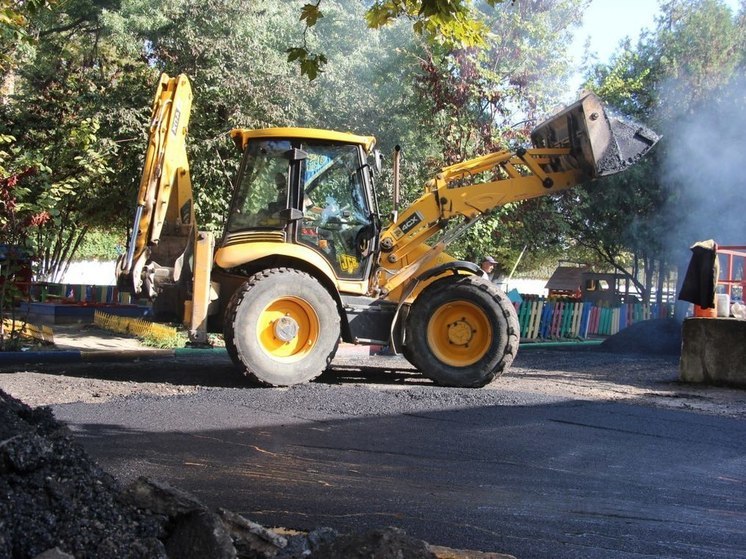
338	215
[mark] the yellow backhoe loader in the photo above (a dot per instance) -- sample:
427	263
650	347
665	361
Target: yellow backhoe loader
305	262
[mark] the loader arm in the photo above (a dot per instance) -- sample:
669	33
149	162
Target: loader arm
579	144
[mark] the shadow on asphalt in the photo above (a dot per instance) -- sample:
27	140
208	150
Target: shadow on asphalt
218	371
380	373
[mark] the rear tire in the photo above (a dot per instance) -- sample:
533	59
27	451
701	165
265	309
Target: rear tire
463	331
282	327
409	355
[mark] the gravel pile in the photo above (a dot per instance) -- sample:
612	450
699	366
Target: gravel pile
53	495
660	336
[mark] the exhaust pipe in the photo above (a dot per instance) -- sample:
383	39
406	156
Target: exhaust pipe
599	145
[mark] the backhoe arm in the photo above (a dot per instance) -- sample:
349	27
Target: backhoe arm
163	228
579	144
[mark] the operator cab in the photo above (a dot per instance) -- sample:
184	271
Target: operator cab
309	187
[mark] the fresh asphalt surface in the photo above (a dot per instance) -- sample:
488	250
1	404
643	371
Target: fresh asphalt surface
522	473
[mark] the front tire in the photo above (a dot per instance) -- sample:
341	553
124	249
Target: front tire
464	331
282	327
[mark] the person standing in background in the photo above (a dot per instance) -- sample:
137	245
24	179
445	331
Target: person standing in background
488	266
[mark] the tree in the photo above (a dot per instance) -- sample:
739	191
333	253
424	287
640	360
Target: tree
452	23
81	106
82	102
14	23
235	58
17	220
55	131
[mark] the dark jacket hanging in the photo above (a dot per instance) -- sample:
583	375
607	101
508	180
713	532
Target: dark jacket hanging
701	277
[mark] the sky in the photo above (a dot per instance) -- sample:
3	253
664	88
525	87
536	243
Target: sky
606	22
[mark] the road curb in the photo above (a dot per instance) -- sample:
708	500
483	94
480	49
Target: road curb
577	345
28	357
80	356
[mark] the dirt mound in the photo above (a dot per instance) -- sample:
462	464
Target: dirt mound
55	496
661	336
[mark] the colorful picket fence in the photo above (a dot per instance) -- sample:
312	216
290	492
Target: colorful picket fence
41	333
542	319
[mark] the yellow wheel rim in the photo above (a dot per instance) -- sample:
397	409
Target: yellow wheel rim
459	333
288	329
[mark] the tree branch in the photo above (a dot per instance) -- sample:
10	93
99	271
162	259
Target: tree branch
62	28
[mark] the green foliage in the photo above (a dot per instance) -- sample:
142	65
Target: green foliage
310	14
160	340
234	55
14	22
310	63
18	217
624	83
101	244
698	50
62	129
450	23
91	113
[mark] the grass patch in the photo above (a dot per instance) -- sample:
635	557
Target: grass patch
164	340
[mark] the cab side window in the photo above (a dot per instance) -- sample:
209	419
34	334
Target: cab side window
263	191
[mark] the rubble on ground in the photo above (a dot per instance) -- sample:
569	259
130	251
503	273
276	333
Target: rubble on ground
58	504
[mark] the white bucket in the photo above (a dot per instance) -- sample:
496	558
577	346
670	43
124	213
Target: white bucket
722	304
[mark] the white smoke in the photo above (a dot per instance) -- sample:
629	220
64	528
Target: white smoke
705	170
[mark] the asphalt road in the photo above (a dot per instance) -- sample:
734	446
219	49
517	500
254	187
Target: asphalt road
522	472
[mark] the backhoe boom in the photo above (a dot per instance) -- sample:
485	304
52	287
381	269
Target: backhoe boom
166	256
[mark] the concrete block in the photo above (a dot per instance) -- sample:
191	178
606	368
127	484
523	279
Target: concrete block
713	351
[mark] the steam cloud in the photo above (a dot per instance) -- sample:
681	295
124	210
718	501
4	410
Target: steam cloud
705	166
705	169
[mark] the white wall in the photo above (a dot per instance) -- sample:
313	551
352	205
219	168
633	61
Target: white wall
91	272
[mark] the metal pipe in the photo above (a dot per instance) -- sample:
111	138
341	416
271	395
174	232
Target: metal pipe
507	282
397	157
133	239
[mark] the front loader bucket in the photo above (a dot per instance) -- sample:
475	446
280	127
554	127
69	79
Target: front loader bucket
599	145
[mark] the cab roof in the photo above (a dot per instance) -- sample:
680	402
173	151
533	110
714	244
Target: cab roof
241	136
